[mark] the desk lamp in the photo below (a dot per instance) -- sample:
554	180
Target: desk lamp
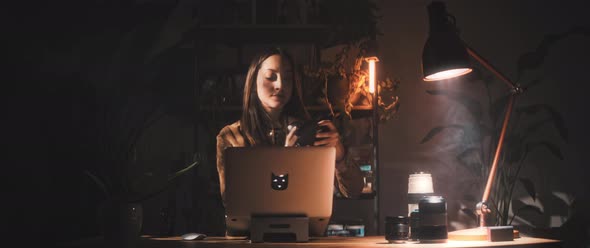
446	56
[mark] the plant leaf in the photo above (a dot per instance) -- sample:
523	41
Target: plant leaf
171	178
470	103
526	208
532	84
181	172
568	199
436	130
513	148
529	187
553	148
98	182
534	126
532	60
529	208
555	117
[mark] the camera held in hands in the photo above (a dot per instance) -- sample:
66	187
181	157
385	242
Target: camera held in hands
307	130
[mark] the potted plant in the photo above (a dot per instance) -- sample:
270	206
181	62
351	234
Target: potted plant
121	212
119	117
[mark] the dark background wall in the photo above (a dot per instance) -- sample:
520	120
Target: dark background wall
55	44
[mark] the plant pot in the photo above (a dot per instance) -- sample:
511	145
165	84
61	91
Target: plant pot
121	223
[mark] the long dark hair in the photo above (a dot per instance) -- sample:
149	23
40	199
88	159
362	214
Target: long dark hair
255	122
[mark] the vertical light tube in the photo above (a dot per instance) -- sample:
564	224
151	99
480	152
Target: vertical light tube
371	75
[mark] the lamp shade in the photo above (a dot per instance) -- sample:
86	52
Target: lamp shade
444	55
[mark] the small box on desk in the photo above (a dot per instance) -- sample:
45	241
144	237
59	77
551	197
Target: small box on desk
500	233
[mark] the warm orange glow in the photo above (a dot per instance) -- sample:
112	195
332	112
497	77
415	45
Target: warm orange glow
372	76
371	61
447	74
474	235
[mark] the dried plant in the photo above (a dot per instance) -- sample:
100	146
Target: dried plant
349	65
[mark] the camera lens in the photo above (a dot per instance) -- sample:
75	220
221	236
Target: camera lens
397	229
433	219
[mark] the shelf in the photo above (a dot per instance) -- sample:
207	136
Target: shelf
250	33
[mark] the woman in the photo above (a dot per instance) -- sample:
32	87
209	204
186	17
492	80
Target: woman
272	99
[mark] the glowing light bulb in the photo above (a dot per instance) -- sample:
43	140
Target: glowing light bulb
447	74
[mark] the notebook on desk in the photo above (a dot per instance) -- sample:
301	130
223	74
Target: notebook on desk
278	181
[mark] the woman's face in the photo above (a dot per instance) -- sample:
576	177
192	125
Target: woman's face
274	83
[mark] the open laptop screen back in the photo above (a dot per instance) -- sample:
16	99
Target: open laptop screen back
279	181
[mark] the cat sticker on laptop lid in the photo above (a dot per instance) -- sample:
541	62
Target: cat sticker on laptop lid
279	182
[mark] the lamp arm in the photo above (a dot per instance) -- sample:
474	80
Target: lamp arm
494	168
482	207
489	66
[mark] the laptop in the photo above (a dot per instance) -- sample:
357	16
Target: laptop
279	181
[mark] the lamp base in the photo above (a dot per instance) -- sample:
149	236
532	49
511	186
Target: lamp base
476	234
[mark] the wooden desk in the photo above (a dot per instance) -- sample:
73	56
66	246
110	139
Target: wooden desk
373	241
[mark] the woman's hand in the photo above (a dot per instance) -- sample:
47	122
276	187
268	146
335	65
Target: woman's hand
291	139
331	137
